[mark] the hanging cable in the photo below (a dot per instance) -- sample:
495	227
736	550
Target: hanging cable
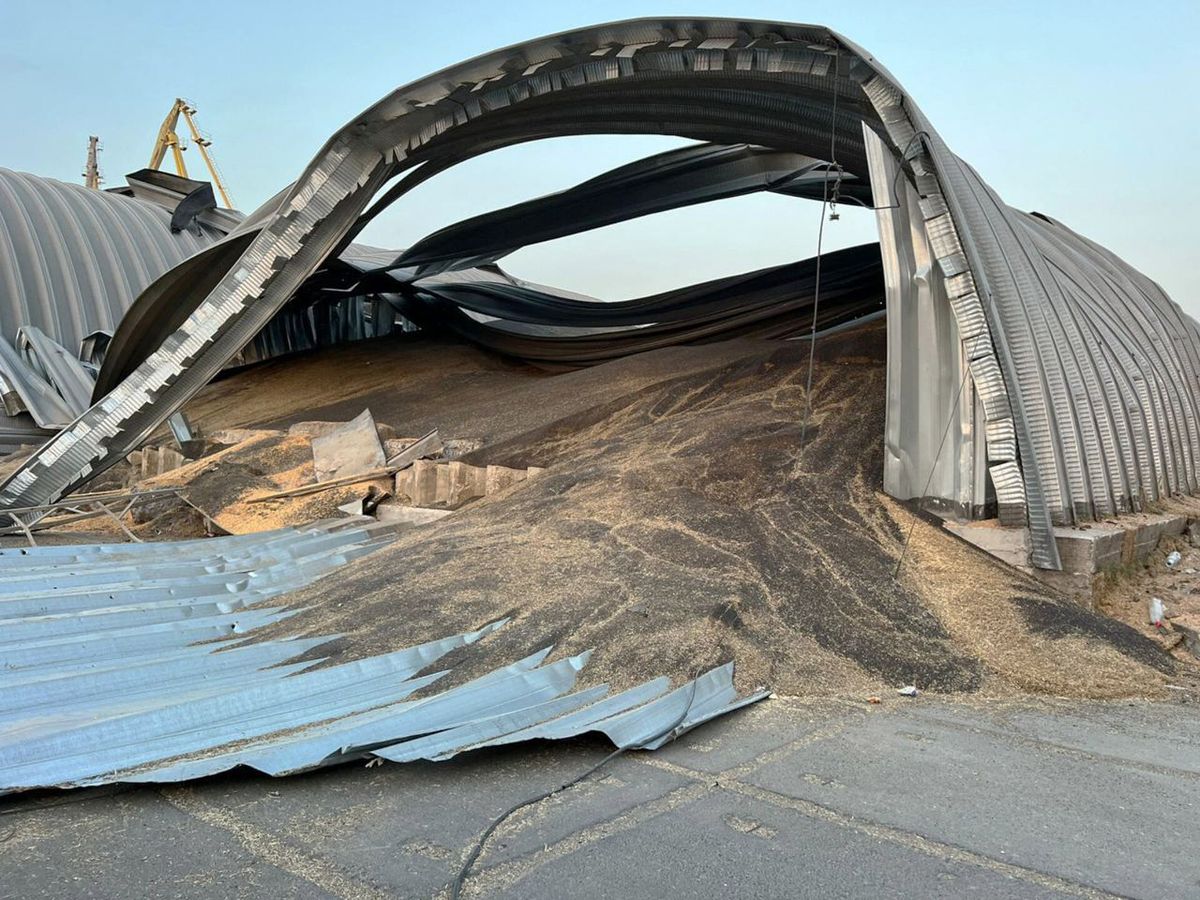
932	469
825	202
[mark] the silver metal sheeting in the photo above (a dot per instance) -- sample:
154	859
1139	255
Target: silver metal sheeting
1087	374
73	259
131	662
72	262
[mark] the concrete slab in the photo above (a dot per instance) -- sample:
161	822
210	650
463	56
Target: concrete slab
1148	734
789	798
725	845
735	740
133	845
467	482
1080	819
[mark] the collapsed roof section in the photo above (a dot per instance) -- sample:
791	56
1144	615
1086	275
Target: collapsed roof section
136	668
1078	385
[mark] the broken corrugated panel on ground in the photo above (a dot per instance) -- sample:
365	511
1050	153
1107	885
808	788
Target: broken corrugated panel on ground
137	662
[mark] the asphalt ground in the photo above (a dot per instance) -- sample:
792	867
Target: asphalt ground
913	798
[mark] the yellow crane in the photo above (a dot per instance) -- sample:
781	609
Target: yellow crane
169	140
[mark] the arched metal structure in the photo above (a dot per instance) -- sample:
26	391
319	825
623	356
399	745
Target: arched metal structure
1084	373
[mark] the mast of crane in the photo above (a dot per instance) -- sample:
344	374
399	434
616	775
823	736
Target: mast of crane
168	139
91	172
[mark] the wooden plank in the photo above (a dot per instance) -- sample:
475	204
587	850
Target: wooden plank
327	485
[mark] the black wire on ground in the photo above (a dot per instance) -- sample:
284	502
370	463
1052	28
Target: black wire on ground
932	469
671	733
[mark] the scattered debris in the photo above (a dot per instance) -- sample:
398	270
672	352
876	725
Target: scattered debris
421	448
1157	612
909	690
874	701
350	449
1173	559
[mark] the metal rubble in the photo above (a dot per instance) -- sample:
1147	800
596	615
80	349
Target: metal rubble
132	663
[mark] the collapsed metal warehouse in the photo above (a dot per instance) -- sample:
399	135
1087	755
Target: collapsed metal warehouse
1032	377
1082	395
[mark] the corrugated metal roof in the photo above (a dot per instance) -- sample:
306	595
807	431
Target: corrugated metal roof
73	259
131	662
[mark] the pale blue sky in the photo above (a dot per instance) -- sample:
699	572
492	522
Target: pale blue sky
1083	110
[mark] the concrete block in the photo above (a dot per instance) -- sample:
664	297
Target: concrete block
1086	551
1153	529
393	513
423	491
1009	545
500	478
169	459
466	483
1095	548
444	485
404	484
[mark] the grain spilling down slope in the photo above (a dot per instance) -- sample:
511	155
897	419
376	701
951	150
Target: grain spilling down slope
681	524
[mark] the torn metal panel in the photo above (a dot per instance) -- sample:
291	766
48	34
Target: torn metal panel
349	449
64	372
934	447
27	391
665	181
118	664
428	445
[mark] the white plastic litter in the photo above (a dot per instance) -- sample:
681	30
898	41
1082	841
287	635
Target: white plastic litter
908	691
1157	612
1173	558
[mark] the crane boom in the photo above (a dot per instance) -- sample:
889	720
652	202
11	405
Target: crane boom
168	138
203	144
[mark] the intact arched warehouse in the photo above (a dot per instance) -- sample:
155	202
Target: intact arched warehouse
1077	374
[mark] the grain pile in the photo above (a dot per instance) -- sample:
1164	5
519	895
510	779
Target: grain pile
681	524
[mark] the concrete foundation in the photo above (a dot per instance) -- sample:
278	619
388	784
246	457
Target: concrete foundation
1087	551
448	485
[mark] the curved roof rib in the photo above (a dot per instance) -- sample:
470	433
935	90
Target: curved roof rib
1050	323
